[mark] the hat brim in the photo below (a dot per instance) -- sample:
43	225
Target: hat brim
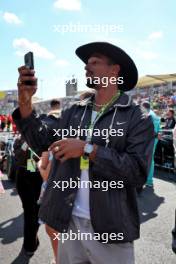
128	68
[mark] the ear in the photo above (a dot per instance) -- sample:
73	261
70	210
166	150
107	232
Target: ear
116	69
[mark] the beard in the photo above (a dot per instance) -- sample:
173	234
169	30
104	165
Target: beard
91	83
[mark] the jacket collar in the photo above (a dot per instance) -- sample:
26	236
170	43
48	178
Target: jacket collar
122	101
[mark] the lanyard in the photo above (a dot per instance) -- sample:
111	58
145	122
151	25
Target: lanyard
100	113
33	153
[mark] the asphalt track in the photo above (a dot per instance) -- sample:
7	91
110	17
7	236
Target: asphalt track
157	220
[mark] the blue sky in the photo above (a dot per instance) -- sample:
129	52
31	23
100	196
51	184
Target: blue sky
144	29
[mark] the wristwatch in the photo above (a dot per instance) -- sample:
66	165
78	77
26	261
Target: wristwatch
88	148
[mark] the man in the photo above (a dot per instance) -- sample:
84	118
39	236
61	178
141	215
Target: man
156	123
173	99
165	147
55	108
174	145
170	120
28	184
110	217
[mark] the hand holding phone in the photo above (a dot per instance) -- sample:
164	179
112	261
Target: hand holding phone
29	63
29	60
27	85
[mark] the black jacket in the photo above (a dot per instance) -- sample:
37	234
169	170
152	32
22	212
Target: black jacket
170	123
127	158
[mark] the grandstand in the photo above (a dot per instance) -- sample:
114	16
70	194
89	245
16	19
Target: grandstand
150	85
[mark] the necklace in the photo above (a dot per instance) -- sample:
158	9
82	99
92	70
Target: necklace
111	101
98	105
100	113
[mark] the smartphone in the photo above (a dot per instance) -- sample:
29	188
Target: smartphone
29	63
29	60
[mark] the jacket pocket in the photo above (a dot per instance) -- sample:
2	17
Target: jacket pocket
106	211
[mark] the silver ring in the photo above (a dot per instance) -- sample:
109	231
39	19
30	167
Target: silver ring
56	149
19	82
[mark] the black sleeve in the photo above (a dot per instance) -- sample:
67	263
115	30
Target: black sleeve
132	165
39	131
173	123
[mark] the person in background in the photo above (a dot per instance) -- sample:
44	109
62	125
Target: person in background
44	166
3	122
165	145
28	184
55	108
2	148
173	98
170	120
9	122
156	123
174	144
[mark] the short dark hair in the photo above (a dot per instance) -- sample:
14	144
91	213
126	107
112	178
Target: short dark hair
172	111
111	61
146	105
54	102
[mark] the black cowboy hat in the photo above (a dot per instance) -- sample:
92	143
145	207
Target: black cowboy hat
128	68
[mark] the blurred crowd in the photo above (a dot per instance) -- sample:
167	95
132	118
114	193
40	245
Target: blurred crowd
21	163
159	102
7	124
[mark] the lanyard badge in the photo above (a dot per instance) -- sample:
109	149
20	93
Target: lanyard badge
84	162
31	164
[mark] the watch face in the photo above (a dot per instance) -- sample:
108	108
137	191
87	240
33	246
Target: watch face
88	148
